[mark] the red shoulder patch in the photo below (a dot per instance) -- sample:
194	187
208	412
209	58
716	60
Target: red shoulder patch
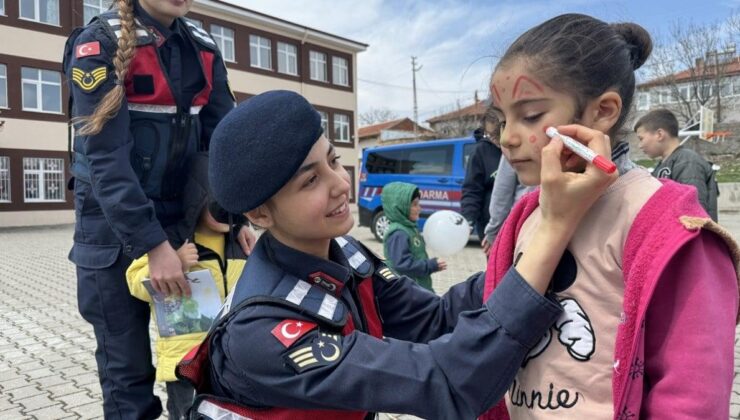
290	330
87	49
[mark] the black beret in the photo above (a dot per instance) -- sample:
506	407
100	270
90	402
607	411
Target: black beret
258	147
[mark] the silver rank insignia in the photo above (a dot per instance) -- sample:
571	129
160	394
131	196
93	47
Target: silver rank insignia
323	350
386	273
88	81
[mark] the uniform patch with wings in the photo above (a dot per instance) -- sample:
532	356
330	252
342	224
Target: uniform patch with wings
89	80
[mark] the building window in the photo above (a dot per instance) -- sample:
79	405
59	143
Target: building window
340	71
736	87
44	11
341	128
643	101
3	86
683	91
43	180
287	56
42	90
318	66
260	50
195	22
2	7
4	179
93	8
224	38
325	122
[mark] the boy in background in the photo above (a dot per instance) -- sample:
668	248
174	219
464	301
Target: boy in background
403	244
658	134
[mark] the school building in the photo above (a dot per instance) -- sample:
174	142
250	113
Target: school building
261	52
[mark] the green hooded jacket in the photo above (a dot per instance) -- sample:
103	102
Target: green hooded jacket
396	197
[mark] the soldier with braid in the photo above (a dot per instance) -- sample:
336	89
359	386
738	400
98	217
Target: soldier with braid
147	90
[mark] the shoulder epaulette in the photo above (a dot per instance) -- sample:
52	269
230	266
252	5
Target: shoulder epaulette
112	23
200	35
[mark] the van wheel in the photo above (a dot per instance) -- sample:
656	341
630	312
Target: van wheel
379	225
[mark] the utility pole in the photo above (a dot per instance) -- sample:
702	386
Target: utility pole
414	69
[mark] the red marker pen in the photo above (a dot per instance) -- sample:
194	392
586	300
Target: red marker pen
581	150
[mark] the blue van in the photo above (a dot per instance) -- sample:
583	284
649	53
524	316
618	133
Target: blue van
437	167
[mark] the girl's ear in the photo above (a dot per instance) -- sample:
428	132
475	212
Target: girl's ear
603	112
261	216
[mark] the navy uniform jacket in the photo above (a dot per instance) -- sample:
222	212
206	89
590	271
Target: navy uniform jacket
448	357
478	184
112	207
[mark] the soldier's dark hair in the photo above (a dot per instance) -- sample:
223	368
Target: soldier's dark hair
585	57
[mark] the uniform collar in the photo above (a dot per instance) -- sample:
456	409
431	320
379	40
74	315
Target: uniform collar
147	20
330	275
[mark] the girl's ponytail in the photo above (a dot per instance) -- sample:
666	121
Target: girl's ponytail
111	102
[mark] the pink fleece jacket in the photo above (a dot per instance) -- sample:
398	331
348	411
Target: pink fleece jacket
674	351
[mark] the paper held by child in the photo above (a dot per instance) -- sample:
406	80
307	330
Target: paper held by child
178	315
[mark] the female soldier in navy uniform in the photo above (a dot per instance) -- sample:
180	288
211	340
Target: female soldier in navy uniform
168	80
317	327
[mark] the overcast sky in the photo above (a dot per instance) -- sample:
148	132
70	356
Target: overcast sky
457	42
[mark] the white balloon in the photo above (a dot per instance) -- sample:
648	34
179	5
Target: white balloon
446	232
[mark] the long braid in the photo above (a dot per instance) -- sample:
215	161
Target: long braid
111	102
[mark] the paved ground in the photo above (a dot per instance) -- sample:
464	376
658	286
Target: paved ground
47	367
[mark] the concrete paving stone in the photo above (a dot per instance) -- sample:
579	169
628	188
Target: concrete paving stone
89	411
40	373
14	413
66	388
734	411
13	384
35	402
86	379
50	381
75	400
49	412
64	363
24	392
29	366
5	403
74	371
35	349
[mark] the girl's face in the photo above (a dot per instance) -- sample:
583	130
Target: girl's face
313	207
526	106
166	11
415	210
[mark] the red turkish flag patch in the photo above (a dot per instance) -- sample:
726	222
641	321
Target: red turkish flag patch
290	330
87	49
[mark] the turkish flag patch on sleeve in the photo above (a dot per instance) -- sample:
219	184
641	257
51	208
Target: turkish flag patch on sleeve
87	49
290	330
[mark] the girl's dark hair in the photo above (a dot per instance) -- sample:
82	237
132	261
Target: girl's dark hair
584	56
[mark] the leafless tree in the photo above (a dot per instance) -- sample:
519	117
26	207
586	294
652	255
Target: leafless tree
703	52
377	115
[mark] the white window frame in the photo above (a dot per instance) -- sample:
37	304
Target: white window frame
317	61
341	128
224	37
99	5
43	174
325	123
5	193
4	83
2	7
39	83
340	71
643	96
288	59
256	48
36	12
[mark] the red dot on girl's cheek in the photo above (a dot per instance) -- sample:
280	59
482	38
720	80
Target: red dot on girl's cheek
532	138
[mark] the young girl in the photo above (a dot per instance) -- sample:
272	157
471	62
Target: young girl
647	281
318	327
147	90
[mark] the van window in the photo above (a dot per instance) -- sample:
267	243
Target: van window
384	162
430	160
468	150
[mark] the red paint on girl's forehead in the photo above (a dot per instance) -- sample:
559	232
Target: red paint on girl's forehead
495	92
525	86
